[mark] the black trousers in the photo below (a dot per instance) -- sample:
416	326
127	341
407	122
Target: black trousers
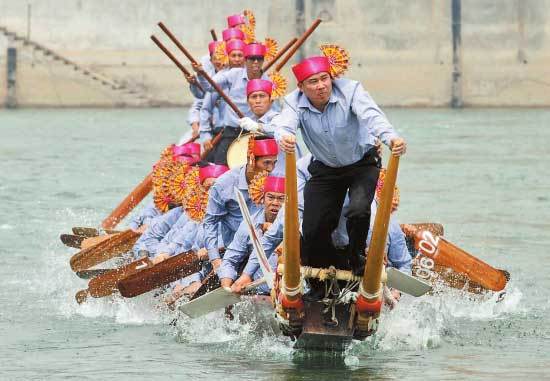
220	151
324	195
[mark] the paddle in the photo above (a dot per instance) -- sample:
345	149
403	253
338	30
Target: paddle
437	251
106	284
215	300
114	246
129	203
209	283
279	54
72	240
165	272
86	232
92	241
269	275
88	274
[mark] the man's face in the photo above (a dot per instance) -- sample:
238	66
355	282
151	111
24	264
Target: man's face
259	102
265	163
273	202
236	58
254	66
218	63
317	88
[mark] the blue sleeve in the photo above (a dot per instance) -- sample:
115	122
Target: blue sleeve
269	241
235	253
206	113
398	253
194	111
215	210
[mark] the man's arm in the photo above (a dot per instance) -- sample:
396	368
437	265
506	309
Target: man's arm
269	241
284	126
222	78
235	254
205	116
398	253
370	116
215	210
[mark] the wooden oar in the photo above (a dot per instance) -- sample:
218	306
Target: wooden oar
441	252
279	54
112	247
72	240
88	274
298	44
209	283
213	34
84	231
165	272
129	203
106	284
92	241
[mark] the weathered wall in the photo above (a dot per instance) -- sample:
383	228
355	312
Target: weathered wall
401	50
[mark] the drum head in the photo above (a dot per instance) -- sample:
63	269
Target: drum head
237	152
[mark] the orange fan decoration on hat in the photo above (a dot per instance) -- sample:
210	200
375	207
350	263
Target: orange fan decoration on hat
338	57
162	198
195	204
220	54
167	152
256	187
249	28
272	48
380	184
178	182
279	84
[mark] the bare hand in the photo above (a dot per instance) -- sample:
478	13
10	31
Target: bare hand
226	282
243	281
197	67
395	293
378	146
208	146
159	258
398	146
195	129
202	254
216	263
288	143
191	79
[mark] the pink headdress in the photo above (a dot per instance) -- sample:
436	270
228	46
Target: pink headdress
259	85
212	171
311	66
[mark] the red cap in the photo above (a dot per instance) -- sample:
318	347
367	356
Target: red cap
212	46
265	147
214	170
188	149
274	184
255	49
234	45
259	85
234	20
311	66
229	33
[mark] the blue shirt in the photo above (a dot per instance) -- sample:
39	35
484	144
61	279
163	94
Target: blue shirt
194	111
145	216
173	241
156	231
223	208
211	115
240	248
233	83
343	132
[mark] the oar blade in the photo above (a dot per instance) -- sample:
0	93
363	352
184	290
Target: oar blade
72	240
84	231
406	283
209	302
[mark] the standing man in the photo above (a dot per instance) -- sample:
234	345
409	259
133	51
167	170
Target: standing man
339	123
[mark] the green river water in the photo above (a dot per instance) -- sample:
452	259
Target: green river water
484	174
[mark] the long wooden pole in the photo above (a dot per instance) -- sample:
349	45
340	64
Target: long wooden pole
174	60
375	257
213	34
129	203
202	72
279	54
291	276
298	44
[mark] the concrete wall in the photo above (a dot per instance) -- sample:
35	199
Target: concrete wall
401	50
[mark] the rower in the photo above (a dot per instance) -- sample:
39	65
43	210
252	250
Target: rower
233	82
160	226
271	198
339	123
232	34
211	64
140	221
180	238
222	203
